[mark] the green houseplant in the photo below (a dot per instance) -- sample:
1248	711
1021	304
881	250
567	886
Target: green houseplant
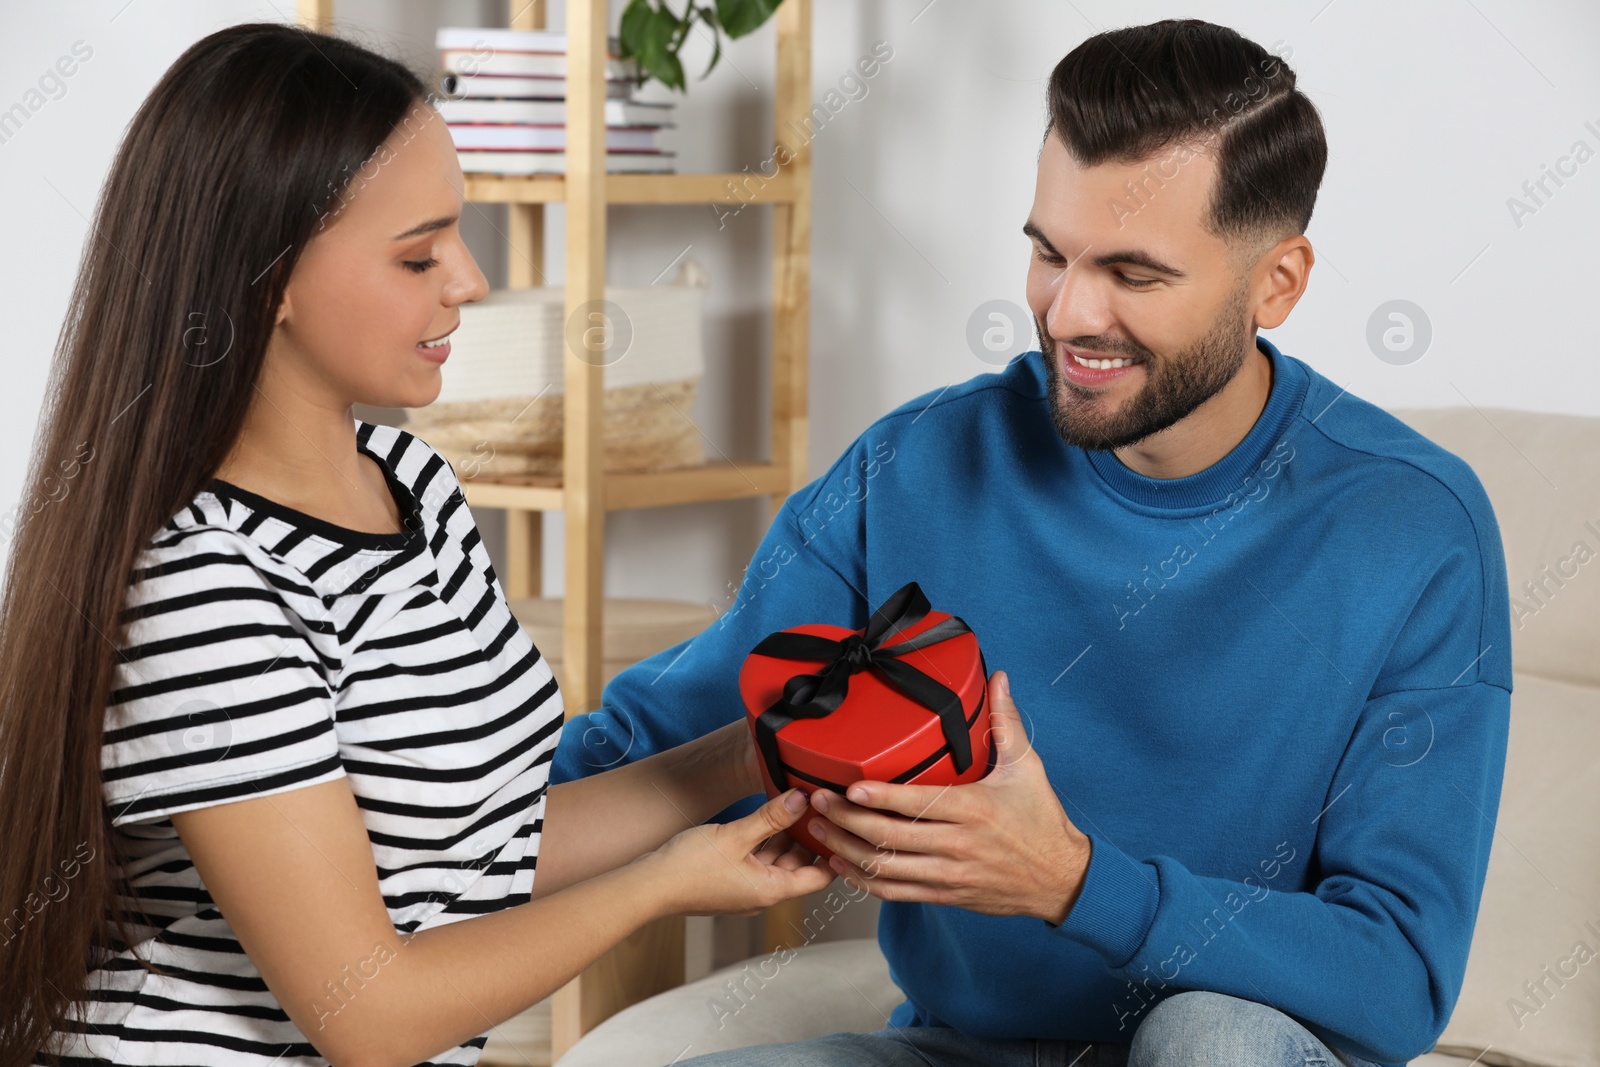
654	35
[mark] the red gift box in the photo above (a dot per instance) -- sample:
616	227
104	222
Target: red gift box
900	700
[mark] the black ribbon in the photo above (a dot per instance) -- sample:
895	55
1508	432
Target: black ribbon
815	696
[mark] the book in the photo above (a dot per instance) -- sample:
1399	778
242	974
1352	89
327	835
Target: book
480	38
475	136
526	64
522	162
551	112
477	87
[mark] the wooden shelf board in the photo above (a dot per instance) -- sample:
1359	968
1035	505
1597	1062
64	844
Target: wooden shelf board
515	189
624	490
746	188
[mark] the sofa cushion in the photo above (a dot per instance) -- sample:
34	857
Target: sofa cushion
792	995
1539	921
1541	476
1541	903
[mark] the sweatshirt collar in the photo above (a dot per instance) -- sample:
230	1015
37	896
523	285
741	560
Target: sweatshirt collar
1289	384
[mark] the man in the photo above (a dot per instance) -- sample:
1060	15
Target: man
1257	630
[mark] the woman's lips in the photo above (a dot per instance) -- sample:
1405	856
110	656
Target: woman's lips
436	353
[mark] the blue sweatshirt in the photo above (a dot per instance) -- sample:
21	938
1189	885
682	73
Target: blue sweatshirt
1274	694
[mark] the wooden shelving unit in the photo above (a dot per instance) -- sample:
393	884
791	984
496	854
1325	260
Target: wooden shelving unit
632	189
653	959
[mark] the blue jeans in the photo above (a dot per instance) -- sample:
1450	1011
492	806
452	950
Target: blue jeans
1194	1029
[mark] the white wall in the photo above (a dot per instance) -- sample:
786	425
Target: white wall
1436	113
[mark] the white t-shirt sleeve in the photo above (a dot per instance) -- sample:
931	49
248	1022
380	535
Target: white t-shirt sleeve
220	693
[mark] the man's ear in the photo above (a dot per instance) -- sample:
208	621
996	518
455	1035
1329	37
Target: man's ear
1286	271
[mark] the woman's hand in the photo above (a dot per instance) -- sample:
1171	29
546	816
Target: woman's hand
601	822
734	759
739	745
739	867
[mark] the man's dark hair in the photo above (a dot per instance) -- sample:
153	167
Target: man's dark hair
1126	95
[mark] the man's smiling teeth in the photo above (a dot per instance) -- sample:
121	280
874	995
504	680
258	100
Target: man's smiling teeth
1103	364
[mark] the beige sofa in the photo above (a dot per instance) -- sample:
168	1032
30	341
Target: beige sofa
1532	992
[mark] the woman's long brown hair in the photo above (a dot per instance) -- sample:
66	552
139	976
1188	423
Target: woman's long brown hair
244	150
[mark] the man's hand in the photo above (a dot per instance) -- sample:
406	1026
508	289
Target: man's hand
1002	845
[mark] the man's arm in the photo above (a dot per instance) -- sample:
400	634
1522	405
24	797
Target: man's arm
1373	957
692	688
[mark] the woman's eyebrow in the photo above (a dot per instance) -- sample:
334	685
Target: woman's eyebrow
427	227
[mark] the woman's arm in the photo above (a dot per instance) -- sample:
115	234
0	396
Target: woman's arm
596	823
293	874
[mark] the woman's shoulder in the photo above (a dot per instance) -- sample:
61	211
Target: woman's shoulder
240	532
421	468
212	551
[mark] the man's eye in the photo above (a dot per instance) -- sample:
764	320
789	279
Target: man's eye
1132	283
418	266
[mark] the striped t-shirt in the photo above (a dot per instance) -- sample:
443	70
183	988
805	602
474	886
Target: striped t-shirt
269	650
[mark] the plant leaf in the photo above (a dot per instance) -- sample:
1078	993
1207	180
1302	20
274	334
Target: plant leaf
716	51
739	17
671	72
632	31
652	35
655	53
708	15
656	40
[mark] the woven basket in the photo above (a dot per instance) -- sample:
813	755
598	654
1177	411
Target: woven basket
646	428
499	408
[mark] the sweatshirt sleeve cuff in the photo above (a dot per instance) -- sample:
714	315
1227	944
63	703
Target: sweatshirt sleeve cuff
1116	906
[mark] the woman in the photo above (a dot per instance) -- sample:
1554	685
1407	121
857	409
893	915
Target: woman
275	750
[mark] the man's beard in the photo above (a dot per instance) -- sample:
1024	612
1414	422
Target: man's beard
1174	386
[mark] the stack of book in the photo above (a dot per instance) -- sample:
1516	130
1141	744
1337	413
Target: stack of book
504	101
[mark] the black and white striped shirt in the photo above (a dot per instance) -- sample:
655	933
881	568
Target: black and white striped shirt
269	650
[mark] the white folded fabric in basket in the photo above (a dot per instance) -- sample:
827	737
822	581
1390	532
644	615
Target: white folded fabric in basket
499	410
511	342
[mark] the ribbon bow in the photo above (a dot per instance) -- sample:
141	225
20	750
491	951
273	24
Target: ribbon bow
814	696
